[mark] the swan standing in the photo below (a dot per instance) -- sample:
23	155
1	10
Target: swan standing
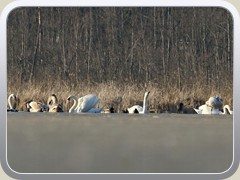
139	109
85	104
11	98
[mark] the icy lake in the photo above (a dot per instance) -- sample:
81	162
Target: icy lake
119	143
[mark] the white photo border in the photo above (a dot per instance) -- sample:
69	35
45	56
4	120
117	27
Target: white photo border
120	3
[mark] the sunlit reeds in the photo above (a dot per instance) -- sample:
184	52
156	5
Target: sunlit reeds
121	96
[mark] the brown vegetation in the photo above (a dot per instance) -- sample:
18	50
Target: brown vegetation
178	54
161	99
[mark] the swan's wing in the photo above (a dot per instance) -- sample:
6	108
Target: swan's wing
216	111
92	100
202	107
96	100
87	102
132	109
96	110
205	109
139	108
79	105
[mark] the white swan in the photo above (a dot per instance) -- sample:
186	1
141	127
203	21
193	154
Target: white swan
53	104
12	97
85	104
205	109
212	106
140	109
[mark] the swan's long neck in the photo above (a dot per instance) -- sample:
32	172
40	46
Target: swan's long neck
10	101
54	100
145	104
74	103
225	109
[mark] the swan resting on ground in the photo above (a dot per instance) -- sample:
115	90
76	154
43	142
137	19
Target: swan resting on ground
12	107
85	104
139	109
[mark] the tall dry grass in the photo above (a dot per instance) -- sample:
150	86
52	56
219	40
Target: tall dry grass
121	96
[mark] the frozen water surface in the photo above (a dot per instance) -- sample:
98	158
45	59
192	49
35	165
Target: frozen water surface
119	143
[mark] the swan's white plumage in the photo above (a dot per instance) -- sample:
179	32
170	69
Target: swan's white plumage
204	109
132	109
211	106
140	109
85	104
226	110
12	97
74	106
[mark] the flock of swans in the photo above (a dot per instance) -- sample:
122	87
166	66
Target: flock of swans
87	104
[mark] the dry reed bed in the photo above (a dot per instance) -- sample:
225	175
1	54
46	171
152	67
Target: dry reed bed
121	96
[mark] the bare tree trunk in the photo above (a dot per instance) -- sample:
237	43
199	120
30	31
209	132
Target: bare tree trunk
89	46
37	45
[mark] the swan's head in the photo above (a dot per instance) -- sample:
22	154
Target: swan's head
13	100
13	96
52	100
69	98
146	94
54	96
68	102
